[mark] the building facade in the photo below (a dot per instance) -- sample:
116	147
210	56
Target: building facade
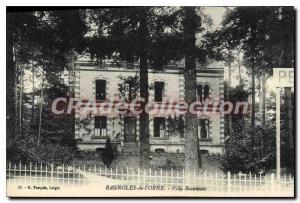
110	81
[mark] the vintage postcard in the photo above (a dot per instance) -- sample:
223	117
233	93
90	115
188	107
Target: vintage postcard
150	101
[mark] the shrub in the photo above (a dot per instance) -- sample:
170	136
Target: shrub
250	150
27	150
108	154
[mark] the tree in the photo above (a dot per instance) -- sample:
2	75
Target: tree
278	48
41	42
242	24
266	36
260	32
191	23
19	29
135	32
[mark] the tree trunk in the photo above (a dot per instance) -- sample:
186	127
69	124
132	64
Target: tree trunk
192	151
21	100
144	117
10	87
228	97
260	97
253	96
239	67
263	102
33	96
41	110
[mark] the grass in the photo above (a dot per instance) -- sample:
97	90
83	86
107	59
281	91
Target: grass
164	161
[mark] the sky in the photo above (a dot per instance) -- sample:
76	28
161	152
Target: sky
216	13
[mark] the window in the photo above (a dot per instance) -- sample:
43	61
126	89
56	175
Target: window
202	92
203	127
159	127
206	92
100	125
158	91
199	92
130	91
100	90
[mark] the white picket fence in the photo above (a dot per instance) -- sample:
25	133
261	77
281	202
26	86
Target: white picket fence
203	180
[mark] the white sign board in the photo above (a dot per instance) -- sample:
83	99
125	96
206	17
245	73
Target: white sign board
283	77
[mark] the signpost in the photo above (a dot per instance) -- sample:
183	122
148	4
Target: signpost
282	77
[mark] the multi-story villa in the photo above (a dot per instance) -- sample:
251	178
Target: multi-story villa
110	81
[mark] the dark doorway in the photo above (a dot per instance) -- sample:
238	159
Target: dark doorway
129	129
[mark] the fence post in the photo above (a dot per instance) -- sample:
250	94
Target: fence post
183	178
217	182
150	178
166	178
122	174
138	176
155	175
205	179
79	176
46	174
222	181
255	182
172	178
15	173
20	172
240	181
84	174
25	175
34	170
9	167
228	181
30	169
41	170
51	173
250	183
272	182
116	173
63	174
194	178
145	177
68	172
73	173
161	175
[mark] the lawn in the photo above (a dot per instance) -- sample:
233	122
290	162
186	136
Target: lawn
157	161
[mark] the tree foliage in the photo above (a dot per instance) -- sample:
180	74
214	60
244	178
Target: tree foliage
43	42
